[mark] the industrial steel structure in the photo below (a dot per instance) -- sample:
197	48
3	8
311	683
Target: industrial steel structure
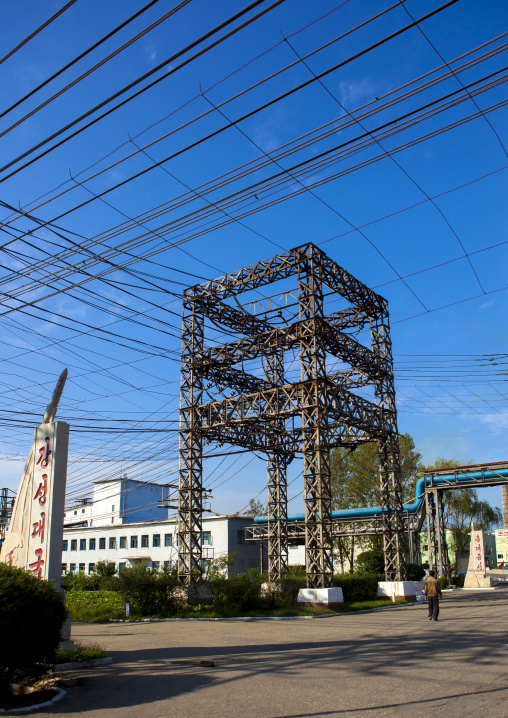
6	506
268	414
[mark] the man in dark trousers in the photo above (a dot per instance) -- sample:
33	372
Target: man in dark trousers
433	593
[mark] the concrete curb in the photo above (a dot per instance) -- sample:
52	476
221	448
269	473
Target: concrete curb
28	709
74	665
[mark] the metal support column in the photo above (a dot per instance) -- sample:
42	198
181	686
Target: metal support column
315	440
415	555
442	547
190	493
394	538
277	462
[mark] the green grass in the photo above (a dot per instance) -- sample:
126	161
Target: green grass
80	653
95	606
102	606
203	611
350	606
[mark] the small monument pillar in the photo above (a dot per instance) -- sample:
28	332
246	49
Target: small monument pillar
34	539
476	576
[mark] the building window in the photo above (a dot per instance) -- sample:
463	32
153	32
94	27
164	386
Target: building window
168	540
102	543
499	555
240	537
75	513
74	544
64	545
155	565
72	568
91	568
64	569
123	541
156	540
82	567
121	567
113	507
134	541
166	564
82	544
112	543
206	538
144	541
91	545
82	511
112	520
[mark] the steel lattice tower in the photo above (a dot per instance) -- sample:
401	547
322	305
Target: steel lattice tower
310	416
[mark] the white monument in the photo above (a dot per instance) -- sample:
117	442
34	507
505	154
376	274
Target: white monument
476	576
34	539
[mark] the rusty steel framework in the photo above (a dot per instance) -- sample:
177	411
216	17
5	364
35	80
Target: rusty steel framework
321	409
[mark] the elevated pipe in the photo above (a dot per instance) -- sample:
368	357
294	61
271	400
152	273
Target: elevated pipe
437	480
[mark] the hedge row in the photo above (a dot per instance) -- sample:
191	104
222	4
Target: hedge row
358	586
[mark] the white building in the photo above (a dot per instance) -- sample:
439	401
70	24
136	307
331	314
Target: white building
125	524
119	501
155	543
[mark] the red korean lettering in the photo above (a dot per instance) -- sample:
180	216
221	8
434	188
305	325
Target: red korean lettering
37	565
42	490
39	526
44	454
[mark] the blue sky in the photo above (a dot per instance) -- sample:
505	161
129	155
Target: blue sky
418	213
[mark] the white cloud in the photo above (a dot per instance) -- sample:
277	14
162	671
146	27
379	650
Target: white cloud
485	305
351	93
497	422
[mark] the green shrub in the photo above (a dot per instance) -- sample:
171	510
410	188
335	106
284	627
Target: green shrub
105	569
95	606
458	581
415	572
358	586
297	570
81	582
284	592
372	561
32	613
443	582
241	592
149	592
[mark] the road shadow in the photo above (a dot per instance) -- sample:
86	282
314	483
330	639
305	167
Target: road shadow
142	676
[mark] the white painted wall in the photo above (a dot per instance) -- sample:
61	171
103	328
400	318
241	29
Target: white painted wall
220	537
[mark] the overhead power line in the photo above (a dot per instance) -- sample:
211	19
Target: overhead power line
37	31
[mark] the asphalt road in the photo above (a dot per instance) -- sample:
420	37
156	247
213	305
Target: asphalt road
386	663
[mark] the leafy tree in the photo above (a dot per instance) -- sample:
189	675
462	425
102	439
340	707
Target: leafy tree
80	582
256	508
372	561
105	569
355	476
355	484
218	567
149	592
463	507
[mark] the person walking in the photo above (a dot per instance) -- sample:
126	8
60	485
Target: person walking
432	591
